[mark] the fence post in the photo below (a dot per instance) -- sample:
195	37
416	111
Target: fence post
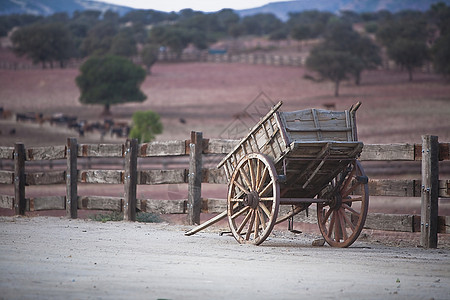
130	180
19	179
72	179
195	178
430	192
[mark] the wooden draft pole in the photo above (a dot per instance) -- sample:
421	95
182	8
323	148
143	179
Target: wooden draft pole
130	180
72	179
195	178
19	179
429	192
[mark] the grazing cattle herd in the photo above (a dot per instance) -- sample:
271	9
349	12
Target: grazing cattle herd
109	126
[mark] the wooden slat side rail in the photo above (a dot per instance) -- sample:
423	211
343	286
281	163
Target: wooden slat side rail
252	131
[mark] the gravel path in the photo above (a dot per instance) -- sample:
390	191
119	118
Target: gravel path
57	258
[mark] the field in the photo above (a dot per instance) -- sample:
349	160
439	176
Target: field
209	97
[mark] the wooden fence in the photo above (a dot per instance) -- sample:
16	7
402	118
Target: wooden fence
429	188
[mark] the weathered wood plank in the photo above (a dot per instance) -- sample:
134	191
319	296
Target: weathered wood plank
19	179
161	176
390	222
388	152
430	192
163	206
444	188
216	146
101	176
6	177
6	152
71	179
46	153
130	180
100	203
195	178
101	150
396	188
44	178
213	205
46	203
163	148
214	175
7	201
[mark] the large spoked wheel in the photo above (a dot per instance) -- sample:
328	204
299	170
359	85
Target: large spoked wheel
342	219
253	199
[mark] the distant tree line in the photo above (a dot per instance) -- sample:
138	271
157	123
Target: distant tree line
410	38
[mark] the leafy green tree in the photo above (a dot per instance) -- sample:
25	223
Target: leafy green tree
340	36
124	44
110	80
43	43
146	124
331	65
301	33
149	56
405	37
176	38
441	48
99	38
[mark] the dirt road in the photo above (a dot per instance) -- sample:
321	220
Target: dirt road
55	258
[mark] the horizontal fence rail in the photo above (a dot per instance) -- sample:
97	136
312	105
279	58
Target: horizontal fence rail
201	155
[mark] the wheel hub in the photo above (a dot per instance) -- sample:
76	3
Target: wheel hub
252	199
336	201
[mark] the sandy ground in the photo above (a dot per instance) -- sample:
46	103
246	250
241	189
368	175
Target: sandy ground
55	258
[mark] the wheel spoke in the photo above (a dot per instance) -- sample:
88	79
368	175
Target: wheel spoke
348	180
240	212
347	221
353	199
265	209
244	222
243	189
337	235
252	175
331	225
245	177
250	226
350	190
261	218
256	212
266	188
342	222
326	216
263	179
350	209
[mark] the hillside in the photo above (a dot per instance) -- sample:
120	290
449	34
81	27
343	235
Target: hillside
280	9
49	7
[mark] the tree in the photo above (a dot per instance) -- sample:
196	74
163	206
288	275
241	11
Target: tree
146	124
110	80
99	38
405	38
409	54
331	65
149	56
301	32
43	43
441	48
123	44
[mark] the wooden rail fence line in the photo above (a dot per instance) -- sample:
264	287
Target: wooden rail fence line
429	187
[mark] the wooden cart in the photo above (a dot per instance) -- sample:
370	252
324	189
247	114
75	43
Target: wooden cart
296	158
